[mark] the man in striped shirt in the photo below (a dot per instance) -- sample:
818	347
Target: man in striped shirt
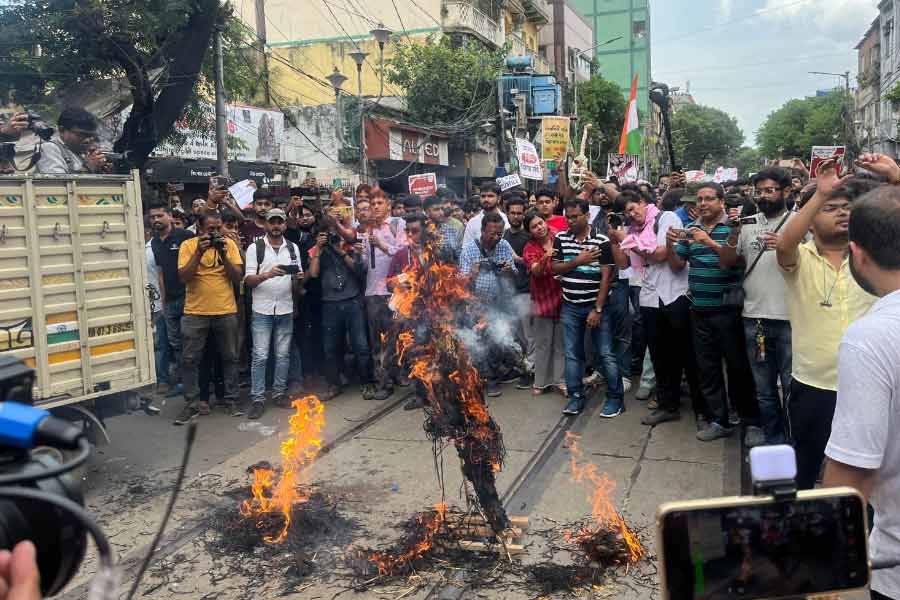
583	263
717	328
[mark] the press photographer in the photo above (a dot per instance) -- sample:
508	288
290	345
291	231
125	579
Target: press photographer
72	149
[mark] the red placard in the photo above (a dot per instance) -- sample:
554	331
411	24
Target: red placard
423	185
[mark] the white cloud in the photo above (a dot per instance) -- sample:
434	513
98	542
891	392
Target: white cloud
842	19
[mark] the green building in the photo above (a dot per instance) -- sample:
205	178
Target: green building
618	61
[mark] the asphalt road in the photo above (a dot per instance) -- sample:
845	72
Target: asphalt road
377	470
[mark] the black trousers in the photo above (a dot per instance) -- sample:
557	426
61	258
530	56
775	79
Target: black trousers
668	333
877	596
810	411
719	334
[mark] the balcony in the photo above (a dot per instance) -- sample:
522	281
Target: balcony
518	48
465	18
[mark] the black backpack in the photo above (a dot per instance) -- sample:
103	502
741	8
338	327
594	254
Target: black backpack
261	252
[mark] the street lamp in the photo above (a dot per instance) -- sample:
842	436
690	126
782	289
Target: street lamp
575	63
381	34
337	79
359	57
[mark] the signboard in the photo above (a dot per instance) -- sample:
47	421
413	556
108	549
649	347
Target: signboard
695	176
509	181
260	134
423	185
623	166
822	153
555	132
529	161
722	174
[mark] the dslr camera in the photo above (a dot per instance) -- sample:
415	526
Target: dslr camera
37	126
217	240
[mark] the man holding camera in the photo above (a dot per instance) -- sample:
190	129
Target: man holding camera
490	262
72	150
273	266
209	265
715	322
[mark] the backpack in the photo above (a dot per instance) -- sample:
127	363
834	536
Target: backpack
261	252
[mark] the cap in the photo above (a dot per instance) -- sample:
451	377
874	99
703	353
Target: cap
275	212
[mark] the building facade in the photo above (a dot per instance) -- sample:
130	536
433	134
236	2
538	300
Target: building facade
868	91
622	36
889	75
566	43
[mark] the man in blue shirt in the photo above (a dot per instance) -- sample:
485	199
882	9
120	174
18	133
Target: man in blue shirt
688	211
490	263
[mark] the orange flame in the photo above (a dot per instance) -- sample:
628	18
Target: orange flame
603	511
404	341
297	451
432	523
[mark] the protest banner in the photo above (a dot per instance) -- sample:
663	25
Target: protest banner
725	174
822	153
423	185
555	133
622	166
529	162
509	181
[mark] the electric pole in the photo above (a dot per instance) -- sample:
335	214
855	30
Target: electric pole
221	140
261	46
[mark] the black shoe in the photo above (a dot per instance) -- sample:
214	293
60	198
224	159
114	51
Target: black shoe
511	377
188	414
368	391
282	401
493	389
525	381
414	403
236	410
383	393
256	409
574	407
661	416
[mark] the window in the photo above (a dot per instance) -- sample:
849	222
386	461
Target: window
639	29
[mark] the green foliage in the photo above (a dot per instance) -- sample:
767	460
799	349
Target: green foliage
893	95
747	160
800	124
446	84
601	104
702	133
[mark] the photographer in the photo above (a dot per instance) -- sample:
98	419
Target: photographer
70	151
209	265
339	267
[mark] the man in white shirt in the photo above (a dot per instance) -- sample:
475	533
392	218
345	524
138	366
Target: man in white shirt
864	448
490	203
273	265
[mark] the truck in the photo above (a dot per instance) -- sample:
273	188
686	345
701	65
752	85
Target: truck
74	300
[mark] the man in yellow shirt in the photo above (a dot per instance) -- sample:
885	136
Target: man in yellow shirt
823	300
209	265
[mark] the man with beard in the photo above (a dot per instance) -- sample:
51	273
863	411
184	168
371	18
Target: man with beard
864	448
273	264
73	148
767	326
254	229
823	300
165	245
490	205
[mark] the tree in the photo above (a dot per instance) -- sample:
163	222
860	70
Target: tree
800	124
447	85
701	133
159	46
747	160
601	104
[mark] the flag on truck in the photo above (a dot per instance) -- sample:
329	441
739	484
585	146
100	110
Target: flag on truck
631	132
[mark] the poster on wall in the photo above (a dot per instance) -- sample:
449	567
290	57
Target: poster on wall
623	166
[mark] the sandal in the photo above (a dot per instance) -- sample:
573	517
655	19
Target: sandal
536	391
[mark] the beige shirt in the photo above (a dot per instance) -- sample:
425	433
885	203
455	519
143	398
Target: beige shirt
816	330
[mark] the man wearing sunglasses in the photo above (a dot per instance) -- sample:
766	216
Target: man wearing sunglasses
823	300
72	150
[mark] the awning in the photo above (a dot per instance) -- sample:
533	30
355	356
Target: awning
183	170
391	140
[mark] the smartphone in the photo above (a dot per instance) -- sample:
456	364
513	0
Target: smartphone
683	234
756	547
748	220
290	269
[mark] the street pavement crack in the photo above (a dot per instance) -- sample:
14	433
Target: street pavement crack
636	471
681	461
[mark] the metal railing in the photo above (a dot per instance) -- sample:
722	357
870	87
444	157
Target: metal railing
462	16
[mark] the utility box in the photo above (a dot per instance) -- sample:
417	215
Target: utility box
74	302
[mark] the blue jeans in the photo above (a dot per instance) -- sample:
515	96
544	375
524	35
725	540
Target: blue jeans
339	318
161	347
777	364
617	305
263	328
574	320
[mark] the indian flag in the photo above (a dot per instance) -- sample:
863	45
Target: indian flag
631	131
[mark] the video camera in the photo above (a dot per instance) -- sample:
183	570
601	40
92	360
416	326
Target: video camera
779	543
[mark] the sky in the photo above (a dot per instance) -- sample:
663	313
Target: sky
749	57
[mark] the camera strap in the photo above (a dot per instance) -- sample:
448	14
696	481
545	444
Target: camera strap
763	250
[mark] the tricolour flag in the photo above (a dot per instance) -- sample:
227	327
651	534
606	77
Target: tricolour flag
631	131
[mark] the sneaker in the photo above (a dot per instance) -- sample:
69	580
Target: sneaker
368	391
754	437
382	393
236	410
714	431
733	417
643	394
574	407
660	416
612	409
203	408
493	389
653	404
188	414
282	401
626	384
511	377
525	381
256	409
414	404
592	379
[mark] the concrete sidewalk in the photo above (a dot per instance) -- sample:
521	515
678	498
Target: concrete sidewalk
380	466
